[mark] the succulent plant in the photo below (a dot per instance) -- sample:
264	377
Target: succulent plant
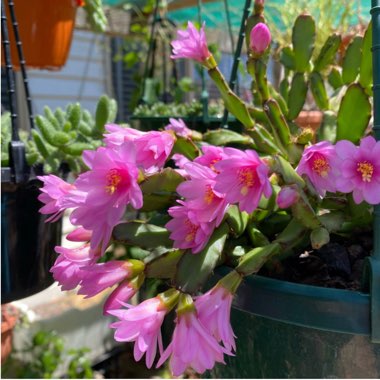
61	136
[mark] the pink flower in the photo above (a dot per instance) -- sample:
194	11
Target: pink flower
111	185
99	277
123	293
260	38
186	231
207	204
360	169
287	196
53	195
178	127
79	234
318	162
214	308
141	324
118	135
191	44
211	155
192	346
244	178
67	268
153	149
180	160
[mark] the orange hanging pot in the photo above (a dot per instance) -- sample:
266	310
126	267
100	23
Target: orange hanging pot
45	29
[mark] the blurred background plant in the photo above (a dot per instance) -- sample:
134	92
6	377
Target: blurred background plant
41	357
61	136
281	18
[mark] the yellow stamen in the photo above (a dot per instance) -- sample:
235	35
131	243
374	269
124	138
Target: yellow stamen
366	170
191	231
247	178
212	165
113	179
321	166
209	196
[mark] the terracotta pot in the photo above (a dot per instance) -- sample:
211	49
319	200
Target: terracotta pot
309	119
9	318
46	29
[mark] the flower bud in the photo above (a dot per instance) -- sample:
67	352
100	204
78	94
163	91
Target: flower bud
287	196
79	234
260	38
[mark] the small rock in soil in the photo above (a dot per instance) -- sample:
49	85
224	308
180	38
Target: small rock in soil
356	252
336	258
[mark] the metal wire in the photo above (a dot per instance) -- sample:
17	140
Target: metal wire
9	74
237	58
22	61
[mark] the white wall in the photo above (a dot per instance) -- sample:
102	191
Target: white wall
84	78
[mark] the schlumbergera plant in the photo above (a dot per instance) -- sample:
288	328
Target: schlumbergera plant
182	205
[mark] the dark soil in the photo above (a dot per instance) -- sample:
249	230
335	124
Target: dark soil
338	264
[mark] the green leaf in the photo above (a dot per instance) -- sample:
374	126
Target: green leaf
164	181
304	213
221	137
287	58
354	114
236	219
143	235
319	237
253	260
303	38
366	62
75	115
194	269
76	148
163	264
327	130
61	138
186	147
335	78
318	89
159	189
232	102
327	54
297	95
288	173
333	220
352	60
101	114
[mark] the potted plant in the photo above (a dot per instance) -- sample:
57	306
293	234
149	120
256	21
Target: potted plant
235	203
55	147
46	30
9	318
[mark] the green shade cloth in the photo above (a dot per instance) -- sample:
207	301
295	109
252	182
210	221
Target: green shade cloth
213	13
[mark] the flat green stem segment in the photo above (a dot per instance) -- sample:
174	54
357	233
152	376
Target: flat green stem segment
232	102
252	261
303	38
231	282
354	114
194	269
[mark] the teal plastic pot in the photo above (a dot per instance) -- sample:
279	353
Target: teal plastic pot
288	330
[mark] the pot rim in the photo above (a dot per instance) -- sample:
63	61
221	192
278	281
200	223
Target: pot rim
328	309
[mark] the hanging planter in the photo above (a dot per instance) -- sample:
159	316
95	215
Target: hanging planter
27	242
46	31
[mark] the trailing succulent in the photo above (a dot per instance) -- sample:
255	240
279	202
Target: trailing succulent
194	202
61	136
